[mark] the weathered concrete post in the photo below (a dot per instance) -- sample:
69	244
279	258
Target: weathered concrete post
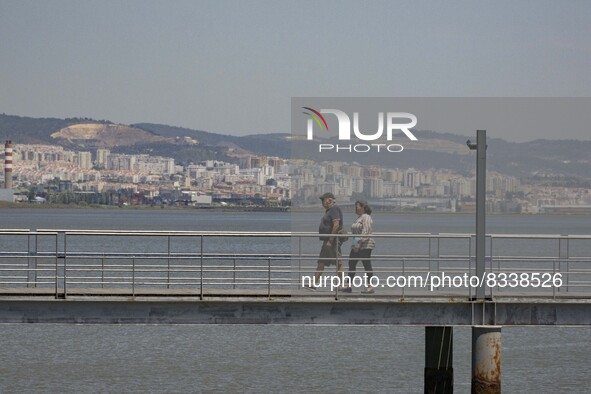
439	376
486	360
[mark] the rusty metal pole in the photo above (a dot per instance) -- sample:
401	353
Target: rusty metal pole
486	360
439	374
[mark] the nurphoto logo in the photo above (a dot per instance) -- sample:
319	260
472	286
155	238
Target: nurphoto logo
395	121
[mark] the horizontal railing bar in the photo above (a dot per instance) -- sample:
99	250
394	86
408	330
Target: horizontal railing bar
188	268
522	258
176	279
96	255
260	283
283	257
539	236
162	269
167	233
9	231
185	271
277	234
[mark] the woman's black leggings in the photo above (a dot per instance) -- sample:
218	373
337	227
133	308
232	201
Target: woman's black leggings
365	256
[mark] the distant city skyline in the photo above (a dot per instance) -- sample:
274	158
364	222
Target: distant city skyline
232	67
50	173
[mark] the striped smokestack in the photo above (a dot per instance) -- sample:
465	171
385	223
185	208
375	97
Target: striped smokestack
8	165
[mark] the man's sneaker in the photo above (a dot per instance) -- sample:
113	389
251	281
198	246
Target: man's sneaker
312	288
369	290
346	290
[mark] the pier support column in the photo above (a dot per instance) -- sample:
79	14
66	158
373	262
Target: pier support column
486	360
439	376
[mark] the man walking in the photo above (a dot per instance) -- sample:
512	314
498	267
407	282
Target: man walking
331	223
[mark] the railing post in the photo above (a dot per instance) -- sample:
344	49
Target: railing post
438	254
103	271
470	265
269	278
168	262
201	289
563	255
36	259
133	276
234	275
339	259
433	250
56	265
568	265
299	259
559	257
553	275
403	274
491	264
29	260
65	264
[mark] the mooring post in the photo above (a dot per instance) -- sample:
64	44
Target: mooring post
439	376
486	360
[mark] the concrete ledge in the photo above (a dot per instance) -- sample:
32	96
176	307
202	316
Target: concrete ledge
245	310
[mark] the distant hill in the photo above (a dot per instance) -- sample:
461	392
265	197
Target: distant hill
261	144
89	134
562	158
96	135
27	130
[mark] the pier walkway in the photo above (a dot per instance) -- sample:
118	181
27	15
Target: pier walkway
75	276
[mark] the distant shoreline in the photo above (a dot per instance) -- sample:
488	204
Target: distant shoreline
8	205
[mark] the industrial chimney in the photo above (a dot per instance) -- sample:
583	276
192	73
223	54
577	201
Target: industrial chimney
8	165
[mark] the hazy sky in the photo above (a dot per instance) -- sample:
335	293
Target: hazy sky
232	66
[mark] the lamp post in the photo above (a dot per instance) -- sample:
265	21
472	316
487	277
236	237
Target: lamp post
480	147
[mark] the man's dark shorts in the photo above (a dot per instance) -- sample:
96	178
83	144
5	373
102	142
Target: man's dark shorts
329	254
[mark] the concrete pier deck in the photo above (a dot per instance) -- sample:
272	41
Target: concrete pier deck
218	306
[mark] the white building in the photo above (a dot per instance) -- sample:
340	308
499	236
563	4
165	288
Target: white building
102	156
84	160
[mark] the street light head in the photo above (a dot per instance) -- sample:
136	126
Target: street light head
468	143
471	145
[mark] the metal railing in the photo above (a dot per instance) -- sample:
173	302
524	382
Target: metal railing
193	263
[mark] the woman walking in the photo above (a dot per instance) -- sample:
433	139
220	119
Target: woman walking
362	244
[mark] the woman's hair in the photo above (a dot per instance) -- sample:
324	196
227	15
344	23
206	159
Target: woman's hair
363	204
